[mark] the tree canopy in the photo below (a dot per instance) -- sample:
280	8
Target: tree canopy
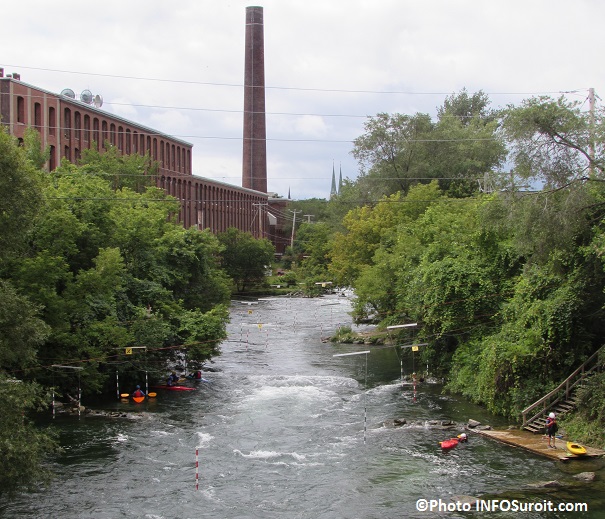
507	285
244	258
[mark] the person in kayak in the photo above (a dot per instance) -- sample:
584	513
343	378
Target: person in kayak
138	392
173	379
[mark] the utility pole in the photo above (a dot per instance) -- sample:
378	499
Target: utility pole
261	226
293	226
308	217
591	146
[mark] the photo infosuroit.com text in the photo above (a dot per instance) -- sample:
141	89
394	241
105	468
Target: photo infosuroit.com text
498	505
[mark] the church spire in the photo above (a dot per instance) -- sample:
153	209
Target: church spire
333	191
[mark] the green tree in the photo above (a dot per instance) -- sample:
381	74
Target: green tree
34	152
23	447
398	151
112	268
369	227
393	153
554	140
134	171
245	258
312	245
467	145
21	188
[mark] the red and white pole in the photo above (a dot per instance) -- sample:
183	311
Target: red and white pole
197	487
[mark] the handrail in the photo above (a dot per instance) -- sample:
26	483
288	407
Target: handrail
565	384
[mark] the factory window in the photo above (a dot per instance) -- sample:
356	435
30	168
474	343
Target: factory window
96	136
52	162
105	134
77	126
20	110
67	123
52	120
86	128
37	116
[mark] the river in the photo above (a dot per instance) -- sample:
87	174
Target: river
285	429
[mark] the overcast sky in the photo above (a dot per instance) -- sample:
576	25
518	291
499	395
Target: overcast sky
178	67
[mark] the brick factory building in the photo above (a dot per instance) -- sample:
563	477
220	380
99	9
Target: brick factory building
67	126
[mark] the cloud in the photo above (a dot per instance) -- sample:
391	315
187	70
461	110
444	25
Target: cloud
181	65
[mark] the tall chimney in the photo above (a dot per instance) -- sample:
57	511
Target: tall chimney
254	171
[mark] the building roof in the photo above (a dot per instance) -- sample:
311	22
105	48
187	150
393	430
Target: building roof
92	108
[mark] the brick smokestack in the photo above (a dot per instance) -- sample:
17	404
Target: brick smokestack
254	171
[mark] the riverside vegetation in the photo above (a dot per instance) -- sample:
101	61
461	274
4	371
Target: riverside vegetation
506	283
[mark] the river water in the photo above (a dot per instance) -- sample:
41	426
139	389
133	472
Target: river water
283	428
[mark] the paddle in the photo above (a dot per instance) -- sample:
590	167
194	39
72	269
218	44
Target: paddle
150	395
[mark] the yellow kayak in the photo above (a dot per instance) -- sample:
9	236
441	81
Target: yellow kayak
576	448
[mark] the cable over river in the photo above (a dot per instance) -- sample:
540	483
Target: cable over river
279	430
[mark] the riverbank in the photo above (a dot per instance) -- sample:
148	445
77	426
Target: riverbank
537	444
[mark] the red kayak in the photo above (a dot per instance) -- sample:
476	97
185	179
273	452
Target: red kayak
175	388
449	444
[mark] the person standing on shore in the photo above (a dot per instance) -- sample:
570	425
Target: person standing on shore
551	429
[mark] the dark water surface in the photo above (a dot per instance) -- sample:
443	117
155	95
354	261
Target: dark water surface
280	433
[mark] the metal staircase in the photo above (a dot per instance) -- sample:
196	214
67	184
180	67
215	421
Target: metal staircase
561	399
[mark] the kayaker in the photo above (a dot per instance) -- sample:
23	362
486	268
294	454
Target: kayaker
551	429
198	375
172	379
462	438
138	392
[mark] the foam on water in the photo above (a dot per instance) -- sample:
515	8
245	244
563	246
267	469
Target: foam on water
204	439
270	455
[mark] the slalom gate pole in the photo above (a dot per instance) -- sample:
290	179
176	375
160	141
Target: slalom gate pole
118	384
197	486
365	419
401	366
53	404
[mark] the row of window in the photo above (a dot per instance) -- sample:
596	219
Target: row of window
83	131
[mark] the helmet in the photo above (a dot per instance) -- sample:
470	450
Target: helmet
463	436
138	387
551	415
